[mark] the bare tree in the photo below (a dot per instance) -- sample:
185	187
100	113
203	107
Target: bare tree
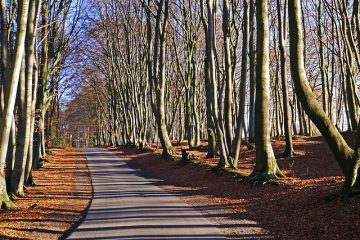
156	69
347	158
266	167
289	151
7	116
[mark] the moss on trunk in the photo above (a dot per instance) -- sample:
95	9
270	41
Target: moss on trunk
5	202
347	158
266	167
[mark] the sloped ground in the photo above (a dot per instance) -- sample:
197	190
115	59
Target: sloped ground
53	206
294	209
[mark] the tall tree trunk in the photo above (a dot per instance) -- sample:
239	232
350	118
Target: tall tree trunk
24	109
212	76
7	117
276	101
164	136
10	155
210	122
301	118
22	143
189	85
39	136
188	115
289	150
32	82
352	98
235	149
252	55
156	70
228	101
323	70
196	114
348	159
4	53
266	167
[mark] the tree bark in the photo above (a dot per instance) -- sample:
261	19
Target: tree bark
235	149
347	158
289	150
32	82
24	109
7	117
210	122
156	70
4	53
323	70
252	55
22	138
266	167
39	136
228	101
213	86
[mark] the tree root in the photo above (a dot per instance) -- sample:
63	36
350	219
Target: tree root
6	205
261	178
219	171
5	202
185	157
209	156
13	197
232	164
31	183
351	185
170	153
343	193
16	195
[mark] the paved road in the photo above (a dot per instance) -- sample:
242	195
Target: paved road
127	206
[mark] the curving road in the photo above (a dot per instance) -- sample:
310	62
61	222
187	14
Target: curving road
127	206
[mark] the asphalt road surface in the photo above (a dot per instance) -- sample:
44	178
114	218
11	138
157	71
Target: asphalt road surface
127	206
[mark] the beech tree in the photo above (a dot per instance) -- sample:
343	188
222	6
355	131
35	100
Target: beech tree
167	71
156	70
289	151
9	104
347	158
266	166
236	144
190	23
19	88
252	81
22	162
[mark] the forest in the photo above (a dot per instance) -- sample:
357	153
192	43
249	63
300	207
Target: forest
227	72
219	78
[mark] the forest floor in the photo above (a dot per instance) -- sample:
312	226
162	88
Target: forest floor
294	208
53	207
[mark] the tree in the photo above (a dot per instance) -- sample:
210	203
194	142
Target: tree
19	84
7	116
22	160
266	167
208	54
4	52
236	144
323	70
229	81
289	151
347	158
252	81
211	83
189	23
156	69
